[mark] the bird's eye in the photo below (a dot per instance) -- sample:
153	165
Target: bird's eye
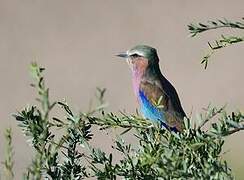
135	55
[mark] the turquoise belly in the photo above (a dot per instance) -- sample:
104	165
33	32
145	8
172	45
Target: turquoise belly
148	110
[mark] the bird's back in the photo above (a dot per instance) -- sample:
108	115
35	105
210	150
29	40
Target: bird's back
159	100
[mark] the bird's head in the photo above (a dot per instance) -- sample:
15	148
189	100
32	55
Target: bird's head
140	56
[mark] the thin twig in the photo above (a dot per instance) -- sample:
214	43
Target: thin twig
210	117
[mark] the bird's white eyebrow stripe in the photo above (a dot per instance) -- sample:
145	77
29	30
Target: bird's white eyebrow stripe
134	52
128	52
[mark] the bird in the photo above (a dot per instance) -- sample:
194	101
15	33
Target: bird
157	98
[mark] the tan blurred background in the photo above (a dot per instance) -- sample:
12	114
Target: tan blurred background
76	41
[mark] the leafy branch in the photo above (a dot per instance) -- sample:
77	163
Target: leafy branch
8	163
196	29
224	41
50	149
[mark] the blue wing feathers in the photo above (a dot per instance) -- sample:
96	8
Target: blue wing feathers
150	112
148	109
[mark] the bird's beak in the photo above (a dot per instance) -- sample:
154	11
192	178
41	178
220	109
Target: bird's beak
123	55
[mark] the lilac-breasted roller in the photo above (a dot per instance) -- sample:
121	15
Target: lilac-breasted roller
157	98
